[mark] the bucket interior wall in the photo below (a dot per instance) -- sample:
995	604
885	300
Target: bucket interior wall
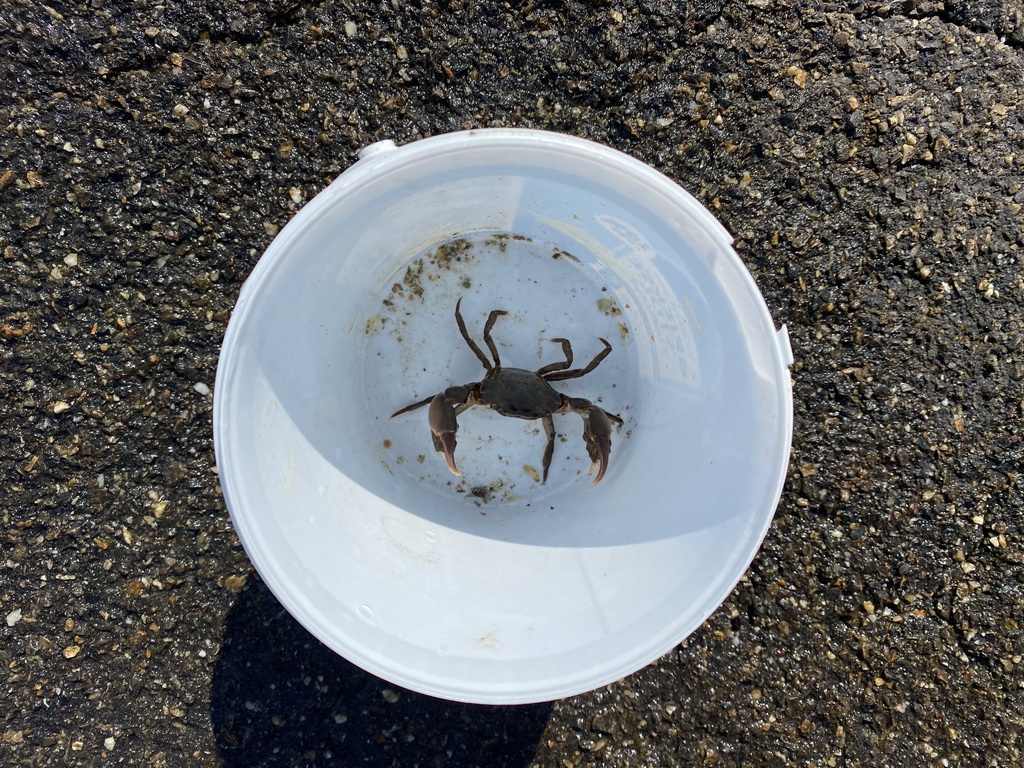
493	586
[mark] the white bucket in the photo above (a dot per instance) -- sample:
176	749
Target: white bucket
492	587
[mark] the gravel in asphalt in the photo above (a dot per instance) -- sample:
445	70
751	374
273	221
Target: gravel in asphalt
868	158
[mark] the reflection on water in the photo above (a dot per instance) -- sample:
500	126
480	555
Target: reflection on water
654	306
674	355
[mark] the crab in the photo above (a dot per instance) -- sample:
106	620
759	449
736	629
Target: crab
522	394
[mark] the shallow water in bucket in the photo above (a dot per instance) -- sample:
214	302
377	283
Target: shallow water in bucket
494	587
500	457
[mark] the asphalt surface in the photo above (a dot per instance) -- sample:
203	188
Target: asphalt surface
869	158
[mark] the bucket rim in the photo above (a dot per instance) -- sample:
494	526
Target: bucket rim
385	158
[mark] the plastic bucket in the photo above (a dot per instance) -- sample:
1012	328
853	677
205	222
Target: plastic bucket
493	587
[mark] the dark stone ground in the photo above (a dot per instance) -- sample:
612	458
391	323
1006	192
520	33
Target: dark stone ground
868	156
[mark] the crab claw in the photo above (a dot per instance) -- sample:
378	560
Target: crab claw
445	443
597	432
443	425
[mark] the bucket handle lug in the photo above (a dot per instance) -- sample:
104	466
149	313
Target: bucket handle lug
785	347
377	148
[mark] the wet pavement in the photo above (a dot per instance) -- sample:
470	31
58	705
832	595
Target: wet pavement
868	158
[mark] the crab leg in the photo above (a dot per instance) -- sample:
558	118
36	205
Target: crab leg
491	318
444	408
566	350
412	407
472	344
549	449
575	373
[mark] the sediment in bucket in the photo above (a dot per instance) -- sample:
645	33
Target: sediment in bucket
493	587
